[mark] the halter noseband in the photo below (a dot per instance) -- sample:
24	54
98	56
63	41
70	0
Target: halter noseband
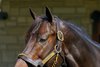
57	50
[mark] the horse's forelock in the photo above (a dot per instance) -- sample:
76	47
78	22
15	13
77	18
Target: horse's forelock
35	26
28	33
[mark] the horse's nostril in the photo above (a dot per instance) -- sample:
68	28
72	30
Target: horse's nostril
38	66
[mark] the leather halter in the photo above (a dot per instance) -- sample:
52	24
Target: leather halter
57	50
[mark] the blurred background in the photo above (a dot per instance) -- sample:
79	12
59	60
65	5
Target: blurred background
15	20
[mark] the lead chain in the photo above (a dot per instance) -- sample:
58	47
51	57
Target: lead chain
55	62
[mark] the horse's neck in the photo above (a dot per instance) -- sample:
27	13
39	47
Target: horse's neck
85	54
79	37
83	50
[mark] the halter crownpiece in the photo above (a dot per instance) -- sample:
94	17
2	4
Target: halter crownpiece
60	36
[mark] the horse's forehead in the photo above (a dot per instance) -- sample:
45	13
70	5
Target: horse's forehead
44	28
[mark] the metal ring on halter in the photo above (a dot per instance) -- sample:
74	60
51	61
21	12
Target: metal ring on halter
60	36
56	50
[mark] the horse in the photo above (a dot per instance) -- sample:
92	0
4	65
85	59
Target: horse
52	42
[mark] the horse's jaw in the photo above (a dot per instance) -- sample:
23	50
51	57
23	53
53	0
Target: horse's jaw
20	63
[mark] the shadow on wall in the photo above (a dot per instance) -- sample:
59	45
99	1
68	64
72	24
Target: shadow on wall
3	15
95	16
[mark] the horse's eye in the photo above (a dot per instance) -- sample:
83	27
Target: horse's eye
42	40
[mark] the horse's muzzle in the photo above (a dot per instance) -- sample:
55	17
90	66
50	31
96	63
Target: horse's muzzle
29	61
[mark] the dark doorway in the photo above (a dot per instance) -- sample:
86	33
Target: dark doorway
95	16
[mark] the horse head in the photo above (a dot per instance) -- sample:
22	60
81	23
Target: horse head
51	42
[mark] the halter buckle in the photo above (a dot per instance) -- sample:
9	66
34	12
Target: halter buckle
60	36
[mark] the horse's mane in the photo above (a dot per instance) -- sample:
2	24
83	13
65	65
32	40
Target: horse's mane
82	34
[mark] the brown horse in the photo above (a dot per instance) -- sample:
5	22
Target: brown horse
52	42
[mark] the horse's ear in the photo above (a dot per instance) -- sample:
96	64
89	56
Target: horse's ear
48	14
32	13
